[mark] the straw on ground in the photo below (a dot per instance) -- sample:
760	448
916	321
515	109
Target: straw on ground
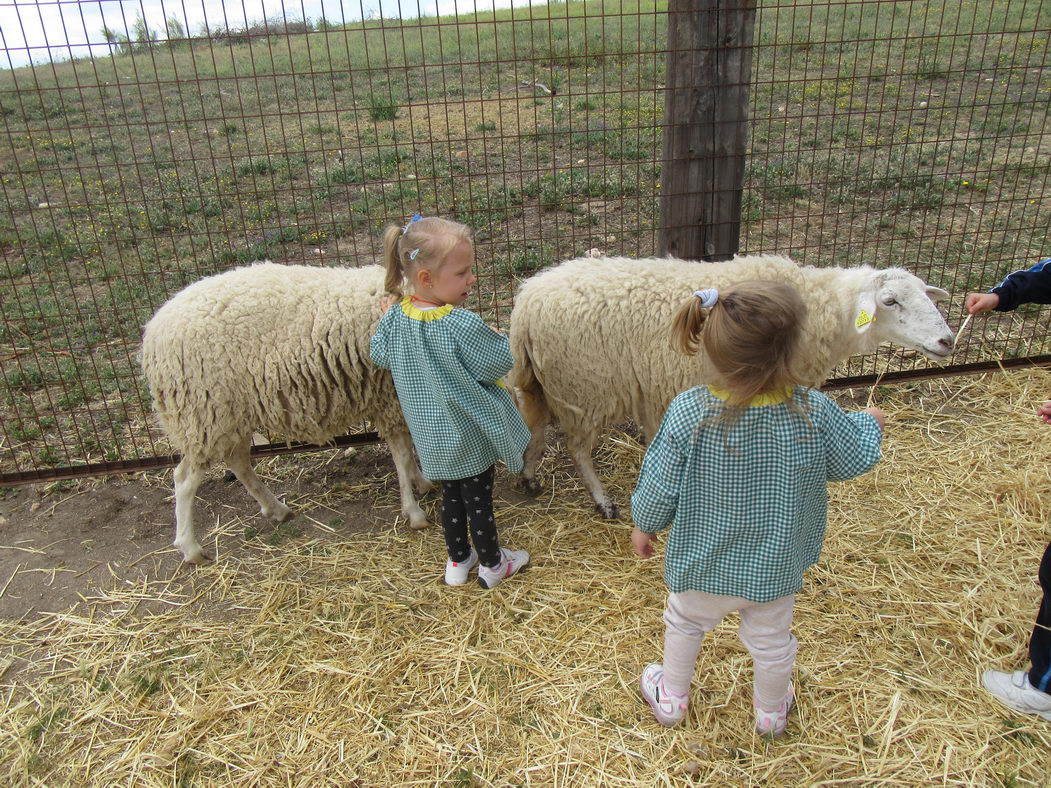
342	659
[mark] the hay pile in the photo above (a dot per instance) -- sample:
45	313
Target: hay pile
343	660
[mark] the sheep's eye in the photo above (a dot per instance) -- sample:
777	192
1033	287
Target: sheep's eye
889	301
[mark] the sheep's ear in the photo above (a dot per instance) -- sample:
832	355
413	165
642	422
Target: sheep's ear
864	312
936	293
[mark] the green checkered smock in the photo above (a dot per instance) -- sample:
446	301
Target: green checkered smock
747	505
447	364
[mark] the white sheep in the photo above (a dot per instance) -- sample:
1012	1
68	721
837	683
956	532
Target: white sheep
282	349
591	338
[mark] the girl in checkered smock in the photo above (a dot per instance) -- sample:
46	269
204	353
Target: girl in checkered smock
738	471
447	366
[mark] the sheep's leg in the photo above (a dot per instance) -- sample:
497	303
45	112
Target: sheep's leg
420	483
536	416
408	474
534	452
240	463
580	451
187	479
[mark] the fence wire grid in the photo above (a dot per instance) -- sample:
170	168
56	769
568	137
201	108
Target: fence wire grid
141	153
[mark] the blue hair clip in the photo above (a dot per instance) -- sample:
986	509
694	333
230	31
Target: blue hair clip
415	218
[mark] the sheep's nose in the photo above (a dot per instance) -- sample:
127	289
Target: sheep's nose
946	342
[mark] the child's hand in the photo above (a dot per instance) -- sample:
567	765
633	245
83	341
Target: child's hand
981	302
642	543
1044	412
878	414
386	302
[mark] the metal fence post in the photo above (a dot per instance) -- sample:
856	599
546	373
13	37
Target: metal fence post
706	127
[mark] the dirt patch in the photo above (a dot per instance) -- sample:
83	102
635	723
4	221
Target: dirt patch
60	544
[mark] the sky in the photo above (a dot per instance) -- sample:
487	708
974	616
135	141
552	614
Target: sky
42	30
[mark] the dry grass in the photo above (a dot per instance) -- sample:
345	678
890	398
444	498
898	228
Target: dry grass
324	662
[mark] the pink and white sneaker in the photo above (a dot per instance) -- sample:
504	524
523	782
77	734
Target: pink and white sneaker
456	571
773	723
511	561
668	707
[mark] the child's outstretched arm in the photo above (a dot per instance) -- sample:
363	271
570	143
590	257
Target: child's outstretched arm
1029	286
852	444
977	303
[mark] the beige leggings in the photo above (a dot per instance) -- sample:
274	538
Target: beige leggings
765	632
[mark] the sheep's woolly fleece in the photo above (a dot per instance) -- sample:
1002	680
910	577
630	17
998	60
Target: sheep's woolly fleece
340	658
596	332
280	349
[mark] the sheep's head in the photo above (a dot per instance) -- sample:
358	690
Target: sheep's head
897	307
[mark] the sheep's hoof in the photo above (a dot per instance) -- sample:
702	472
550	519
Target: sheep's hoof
416	516
195	556
607	509
282	515
526	486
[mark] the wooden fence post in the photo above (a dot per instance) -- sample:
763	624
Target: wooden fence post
706	127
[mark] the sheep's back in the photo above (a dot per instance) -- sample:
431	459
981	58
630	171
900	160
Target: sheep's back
282	349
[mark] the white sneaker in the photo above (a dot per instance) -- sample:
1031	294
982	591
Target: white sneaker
456	571
510	562
773	723
667	707
1015	691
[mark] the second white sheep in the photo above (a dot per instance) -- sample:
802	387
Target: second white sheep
591	338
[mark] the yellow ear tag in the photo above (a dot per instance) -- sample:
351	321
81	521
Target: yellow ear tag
863	319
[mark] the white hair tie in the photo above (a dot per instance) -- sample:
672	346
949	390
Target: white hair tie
708	297
415	218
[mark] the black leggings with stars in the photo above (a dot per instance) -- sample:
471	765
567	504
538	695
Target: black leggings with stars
469	502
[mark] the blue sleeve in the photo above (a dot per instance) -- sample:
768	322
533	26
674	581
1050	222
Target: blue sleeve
484	352
378	350
852	440
1031	286
656	496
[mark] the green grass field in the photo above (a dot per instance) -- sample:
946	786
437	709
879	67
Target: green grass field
889	133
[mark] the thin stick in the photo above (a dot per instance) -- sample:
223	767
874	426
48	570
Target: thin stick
872	391
962	327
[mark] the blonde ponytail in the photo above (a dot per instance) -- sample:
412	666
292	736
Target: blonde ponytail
686	326
392	261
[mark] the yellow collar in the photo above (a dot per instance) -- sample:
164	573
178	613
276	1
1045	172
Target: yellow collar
426	315
766	398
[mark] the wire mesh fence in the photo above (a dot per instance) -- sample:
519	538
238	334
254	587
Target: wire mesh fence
140	153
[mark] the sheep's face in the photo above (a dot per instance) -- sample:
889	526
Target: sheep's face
901	310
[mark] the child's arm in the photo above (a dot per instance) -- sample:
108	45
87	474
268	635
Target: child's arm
1030	286
852	440
378	350
656	495
642	543
484	353
1045	412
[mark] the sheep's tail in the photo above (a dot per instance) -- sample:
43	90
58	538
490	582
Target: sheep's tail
524	377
